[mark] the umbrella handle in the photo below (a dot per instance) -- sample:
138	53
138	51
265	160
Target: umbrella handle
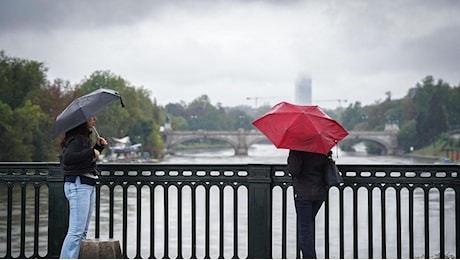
94	128
121	101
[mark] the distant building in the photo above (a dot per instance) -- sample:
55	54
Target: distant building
303	90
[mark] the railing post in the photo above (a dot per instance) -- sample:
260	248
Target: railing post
58	218
259	212
457	220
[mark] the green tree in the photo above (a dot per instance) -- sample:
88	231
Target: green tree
18	78
453	112
179	123
177	109
24	134
201	114
239	119
54	97
33	128
177	113
8	138
353	115
25	128
407	136
431	118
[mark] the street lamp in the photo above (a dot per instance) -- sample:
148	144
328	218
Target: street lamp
192	122
240	121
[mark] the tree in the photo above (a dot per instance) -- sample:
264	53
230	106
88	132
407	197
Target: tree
177	115
239	119
407	136
54	97
431	118
8	139
25	128
18	78
179	123
24	134
353	115
453	111
33	129
199	114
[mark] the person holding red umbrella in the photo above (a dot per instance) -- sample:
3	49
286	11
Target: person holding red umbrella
308	172
309	134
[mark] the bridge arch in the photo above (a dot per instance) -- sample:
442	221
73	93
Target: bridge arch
197	136
385	139
382	146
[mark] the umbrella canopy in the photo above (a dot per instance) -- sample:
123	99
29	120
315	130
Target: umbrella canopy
301	128
83	108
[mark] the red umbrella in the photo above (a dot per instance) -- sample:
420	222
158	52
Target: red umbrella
301	128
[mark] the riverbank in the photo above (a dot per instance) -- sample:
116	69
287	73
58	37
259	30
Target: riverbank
445	150
427	158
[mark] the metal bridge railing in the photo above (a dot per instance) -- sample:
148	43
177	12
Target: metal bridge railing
236	211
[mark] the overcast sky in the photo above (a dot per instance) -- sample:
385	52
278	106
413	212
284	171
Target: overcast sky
353	50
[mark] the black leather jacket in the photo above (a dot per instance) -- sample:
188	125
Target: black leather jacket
308	172
77	156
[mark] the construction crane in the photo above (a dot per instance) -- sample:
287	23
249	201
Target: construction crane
256	99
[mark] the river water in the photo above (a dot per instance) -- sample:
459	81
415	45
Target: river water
268	154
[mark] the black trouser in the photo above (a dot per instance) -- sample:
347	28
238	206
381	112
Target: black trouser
306	213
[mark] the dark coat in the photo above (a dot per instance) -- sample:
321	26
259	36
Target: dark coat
308	172
77	156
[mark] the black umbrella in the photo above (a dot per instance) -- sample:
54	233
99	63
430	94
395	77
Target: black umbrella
83	108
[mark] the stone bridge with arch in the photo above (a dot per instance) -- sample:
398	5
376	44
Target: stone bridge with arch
241	140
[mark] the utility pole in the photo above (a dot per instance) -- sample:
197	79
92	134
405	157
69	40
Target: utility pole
255	100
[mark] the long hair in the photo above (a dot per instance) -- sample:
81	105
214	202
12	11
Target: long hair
81	129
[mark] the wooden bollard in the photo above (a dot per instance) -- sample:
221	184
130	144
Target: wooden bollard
100	249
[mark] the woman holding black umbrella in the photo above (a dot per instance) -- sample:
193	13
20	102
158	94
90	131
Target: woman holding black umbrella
78	162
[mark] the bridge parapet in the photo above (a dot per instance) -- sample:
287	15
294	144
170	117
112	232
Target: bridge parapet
241	140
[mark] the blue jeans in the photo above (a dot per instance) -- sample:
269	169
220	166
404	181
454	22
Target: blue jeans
306	213
81	199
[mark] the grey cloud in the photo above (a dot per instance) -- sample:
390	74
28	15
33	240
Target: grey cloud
49	14
205	46
439	48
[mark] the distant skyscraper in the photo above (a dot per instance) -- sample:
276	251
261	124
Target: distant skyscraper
303	90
